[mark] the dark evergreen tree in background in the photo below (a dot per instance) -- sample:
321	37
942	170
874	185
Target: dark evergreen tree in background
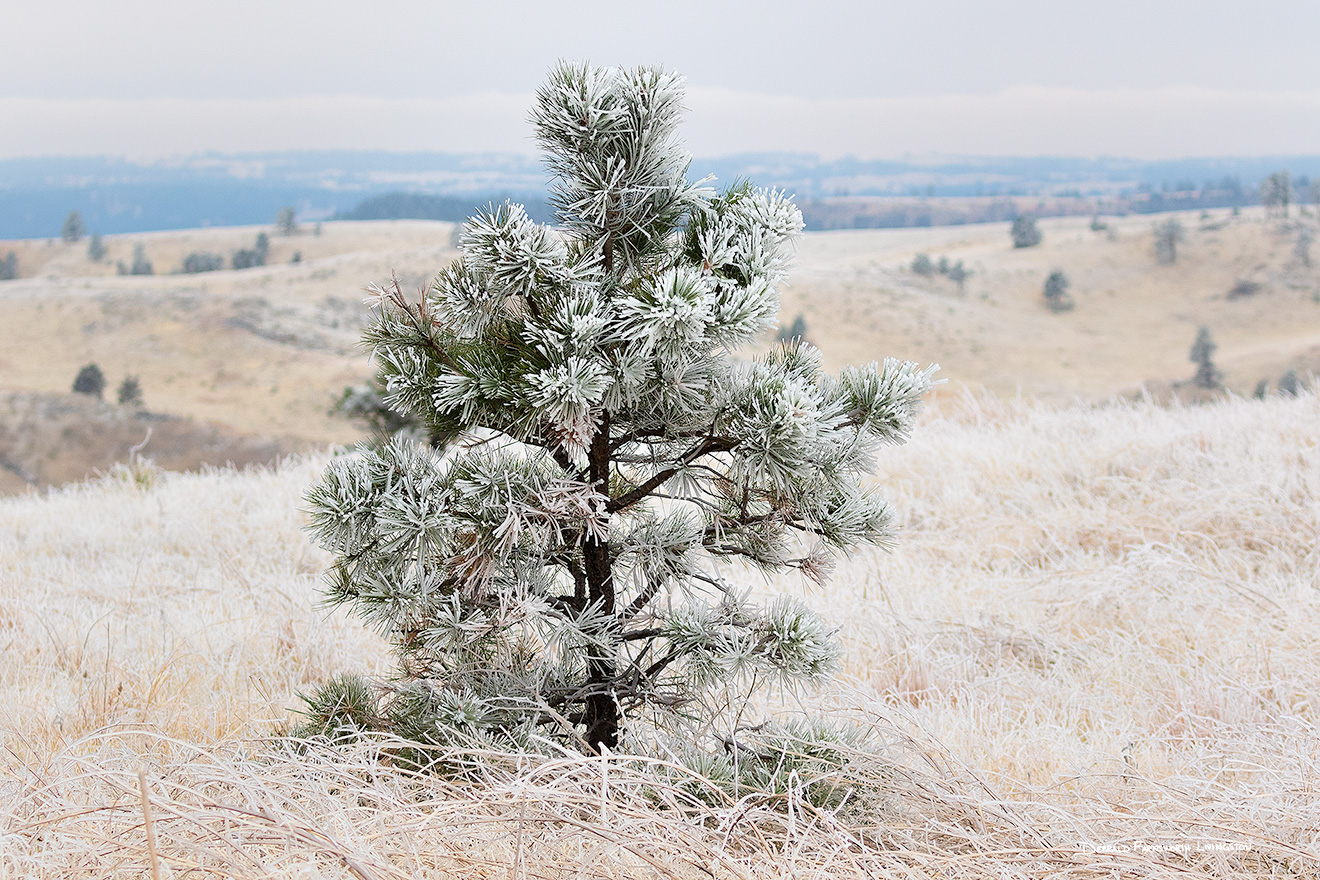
1290	384
1024	231
73	229
90	380
958	274
1056	292
1202	354
129	392
1276	193
249	258
202	261
1168	234
141	265
286	221
797	330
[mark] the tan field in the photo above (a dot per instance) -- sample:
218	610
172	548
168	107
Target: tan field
1134	320
1091	656
261	354
266	351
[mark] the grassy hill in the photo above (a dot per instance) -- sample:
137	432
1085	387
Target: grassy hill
1134	320
1091	655
263	353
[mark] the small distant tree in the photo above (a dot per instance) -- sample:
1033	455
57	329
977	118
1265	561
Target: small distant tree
1056	292
90	380
1302	247
1202	354
9	267
1276	193
943	265
366	404
797	330
73	230
254	256
559	572
1262	389
141	265
203	261
1024	231
96	248
921	265
296	258
129	392
1167	236
958	274
1290	384
286	221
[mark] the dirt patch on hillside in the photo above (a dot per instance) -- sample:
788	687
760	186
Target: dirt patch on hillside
51	439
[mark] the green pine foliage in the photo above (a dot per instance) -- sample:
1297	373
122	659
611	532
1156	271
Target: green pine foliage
560	568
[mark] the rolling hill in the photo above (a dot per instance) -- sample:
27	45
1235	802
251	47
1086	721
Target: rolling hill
263	353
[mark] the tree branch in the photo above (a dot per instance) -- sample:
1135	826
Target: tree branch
706	446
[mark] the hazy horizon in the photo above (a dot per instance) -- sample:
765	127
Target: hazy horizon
1146	80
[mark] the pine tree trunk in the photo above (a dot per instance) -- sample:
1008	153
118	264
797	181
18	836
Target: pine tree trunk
602	707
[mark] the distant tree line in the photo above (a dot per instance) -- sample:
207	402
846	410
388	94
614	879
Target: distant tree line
925	267
421	206
902	213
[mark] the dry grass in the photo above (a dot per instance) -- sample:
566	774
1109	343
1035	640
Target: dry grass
1092	655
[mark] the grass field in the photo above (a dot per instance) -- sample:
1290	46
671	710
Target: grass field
263	353
1092	655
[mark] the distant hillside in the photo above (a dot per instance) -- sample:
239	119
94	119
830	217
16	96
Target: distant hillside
454	209
116	195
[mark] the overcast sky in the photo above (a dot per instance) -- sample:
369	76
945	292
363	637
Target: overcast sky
878	79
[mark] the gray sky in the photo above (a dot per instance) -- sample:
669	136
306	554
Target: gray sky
1153	78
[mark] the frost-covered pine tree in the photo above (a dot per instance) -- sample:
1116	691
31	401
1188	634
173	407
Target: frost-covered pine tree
563	565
